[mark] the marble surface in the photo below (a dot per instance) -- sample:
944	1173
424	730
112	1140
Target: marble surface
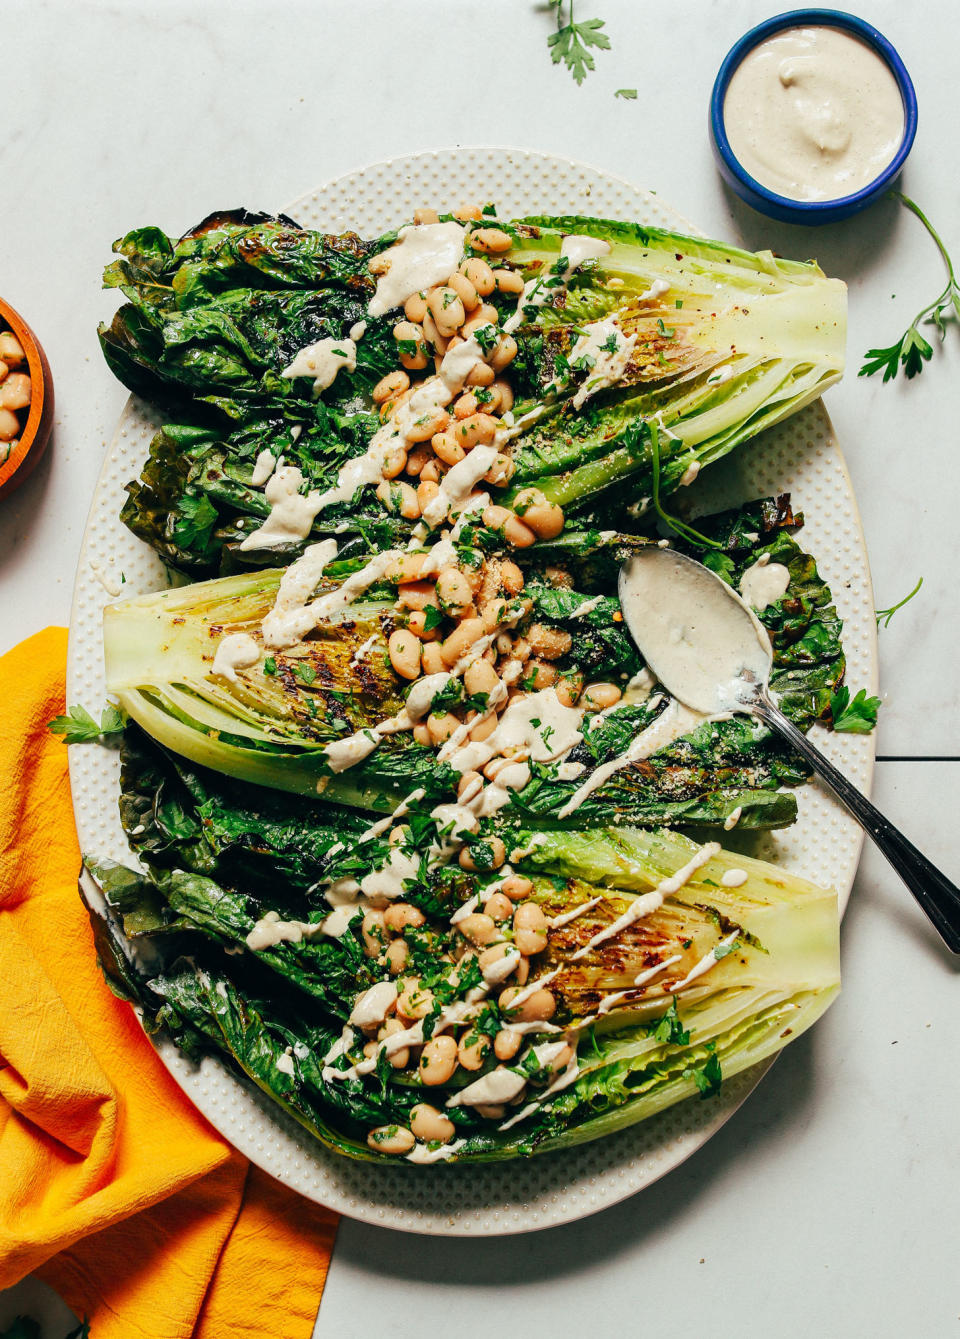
825	1206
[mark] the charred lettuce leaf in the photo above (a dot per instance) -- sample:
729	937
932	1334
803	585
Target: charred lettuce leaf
211	320
274	1015
222	310
316	693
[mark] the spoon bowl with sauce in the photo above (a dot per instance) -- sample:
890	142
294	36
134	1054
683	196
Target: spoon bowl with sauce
710	651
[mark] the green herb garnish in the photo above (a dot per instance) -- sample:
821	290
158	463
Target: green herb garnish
571	42
857	716
668	1027
685	531
79	727
911	351
884	615
708	1077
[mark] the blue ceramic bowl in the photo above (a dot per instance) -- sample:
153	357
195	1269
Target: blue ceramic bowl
781	206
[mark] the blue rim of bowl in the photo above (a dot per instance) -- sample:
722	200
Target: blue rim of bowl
825	18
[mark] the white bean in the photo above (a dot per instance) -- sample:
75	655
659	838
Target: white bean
405	651
431	1125
391	1139
438	1060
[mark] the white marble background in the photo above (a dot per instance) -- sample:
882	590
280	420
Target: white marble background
827	1205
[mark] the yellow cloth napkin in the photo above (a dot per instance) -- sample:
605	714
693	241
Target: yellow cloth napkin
113	1187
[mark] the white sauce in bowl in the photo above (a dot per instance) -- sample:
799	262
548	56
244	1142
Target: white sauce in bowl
813	113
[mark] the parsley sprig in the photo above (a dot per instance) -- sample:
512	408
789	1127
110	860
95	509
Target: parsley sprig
884	615
680	527
572	41
79	727
857	716
911	351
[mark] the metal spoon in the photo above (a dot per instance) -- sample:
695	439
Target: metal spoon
711	652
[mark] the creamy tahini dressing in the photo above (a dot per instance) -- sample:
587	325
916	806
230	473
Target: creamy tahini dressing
422	1154
110	584
689	474
291	515
270	930
696	636
734	878
647	903
764	582
651	972
498	971
425	399
322	361
537	726
708	961
363	650
605	351
565	917
426	254
235	651
575	250
458	483
374	1004
288	621
343	754
813	113
338	922
389	882
587	607
656	290
673	722
263	467
500	1085
563	1080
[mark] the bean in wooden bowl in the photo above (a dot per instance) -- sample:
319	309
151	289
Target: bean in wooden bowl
26	400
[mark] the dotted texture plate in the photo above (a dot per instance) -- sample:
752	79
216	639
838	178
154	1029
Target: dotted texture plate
801	456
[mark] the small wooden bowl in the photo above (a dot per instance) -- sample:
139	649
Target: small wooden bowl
36	431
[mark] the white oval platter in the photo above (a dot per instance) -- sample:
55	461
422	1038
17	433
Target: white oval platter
800	456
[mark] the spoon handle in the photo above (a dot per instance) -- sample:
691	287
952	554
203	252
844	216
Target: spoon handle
938	897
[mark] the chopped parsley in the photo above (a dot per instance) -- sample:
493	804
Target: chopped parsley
709	1076
486	337
668	1027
